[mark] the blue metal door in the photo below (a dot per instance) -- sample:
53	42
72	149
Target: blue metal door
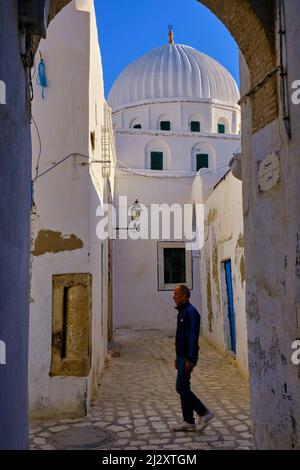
230	303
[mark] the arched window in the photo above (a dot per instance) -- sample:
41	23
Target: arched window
203	156
195	126
196	123
135	124
165	125
157	160
158	155
223	126
202	161
164	122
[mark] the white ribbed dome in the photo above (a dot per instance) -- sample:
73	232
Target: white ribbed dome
173	71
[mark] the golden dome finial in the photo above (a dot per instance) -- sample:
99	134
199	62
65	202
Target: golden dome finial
171	35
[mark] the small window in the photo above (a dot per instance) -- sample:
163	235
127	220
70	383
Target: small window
174	266
202	161
93	140
165	125
157	160
137	126
195	126
221	129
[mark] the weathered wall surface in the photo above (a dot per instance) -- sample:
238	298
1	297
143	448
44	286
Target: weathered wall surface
136	262
224	240
15	163
271	217
256	41
64	213
271	233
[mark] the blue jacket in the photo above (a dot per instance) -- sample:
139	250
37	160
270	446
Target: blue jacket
187	334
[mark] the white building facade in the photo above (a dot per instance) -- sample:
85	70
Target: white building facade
222	267
176	120
72	171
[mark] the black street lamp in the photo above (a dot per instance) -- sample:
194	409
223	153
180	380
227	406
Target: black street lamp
135	211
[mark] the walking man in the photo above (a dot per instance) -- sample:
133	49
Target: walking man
187	337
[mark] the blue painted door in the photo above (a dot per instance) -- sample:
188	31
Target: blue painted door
230	303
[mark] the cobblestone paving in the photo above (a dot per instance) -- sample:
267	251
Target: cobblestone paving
137	403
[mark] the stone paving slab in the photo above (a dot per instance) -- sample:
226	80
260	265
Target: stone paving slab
137	402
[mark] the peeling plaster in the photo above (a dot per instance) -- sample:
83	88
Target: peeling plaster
260	356
215	268
265	360
242	269
225	239
241	241
253	308
212	216
272	293
239	253
209	298
49	241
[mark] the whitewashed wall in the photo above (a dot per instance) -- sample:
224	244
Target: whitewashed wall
224	240
66	199
138	302
180	113
137	299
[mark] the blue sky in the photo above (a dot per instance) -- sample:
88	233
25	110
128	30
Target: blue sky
129	29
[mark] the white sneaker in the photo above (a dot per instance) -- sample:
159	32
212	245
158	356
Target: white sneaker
203	421
183	426
209	417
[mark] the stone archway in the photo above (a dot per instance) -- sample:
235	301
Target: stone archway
252	24
273	289
271	215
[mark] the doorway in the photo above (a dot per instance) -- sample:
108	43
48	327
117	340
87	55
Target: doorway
230	304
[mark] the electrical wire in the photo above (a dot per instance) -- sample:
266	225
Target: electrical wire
55	165
127	170
40	147
284	69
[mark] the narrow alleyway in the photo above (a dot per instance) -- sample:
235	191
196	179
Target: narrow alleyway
137	402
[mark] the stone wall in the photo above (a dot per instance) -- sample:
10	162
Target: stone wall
224	240
251	23
271	218
15	177
15	157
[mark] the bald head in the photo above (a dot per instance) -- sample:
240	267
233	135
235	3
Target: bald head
181	294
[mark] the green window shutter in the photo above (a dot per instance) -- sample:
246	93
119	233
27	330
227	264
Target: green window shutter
195	126
157	161
221	129
165	125
137	126
202	161
174	266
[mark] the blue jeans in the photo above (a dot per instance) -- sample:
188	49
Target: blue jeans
189	401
